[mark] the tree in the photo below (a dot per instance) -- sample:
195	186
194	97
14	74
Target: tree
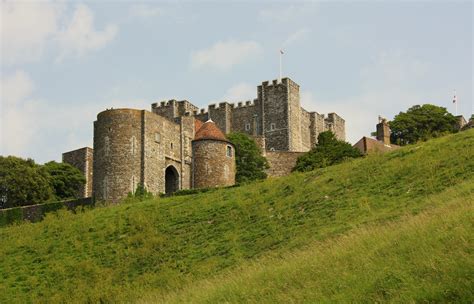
421	123
65	179
22	182
250	163
328	151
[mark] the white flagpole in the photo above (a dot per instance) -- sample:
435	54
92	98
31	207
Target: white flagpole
455	100
279	79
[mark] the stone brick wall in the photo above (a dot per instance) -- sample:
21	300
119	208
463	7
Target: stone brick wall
246	119
135	147
222	116
118	148
83	160
295	122
276	115
281	163
337	125
211	165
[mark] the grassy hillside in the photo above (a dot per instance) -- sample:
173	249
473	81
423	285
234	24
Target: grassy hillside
160	248
422	258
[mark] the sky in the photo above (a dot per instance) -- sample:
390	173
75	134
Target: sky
63	62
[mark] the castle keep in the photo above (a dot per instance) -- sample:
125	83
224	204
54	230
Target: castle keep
178	146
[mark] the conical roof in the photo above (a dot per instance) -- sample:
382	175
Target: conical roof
209	130
197	125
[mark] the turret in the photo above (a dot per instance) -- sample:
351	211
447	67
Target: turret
213	158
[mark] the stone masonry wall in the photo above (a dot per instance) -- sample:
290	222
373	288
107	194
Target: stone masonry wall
295	122
83	160
337	125
117	153
211	165
244	118
222	116
276	117
281	163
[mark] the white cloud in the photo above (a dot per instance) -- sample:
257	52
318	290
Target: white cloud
29	28
286	12
240	92
392	83
33	127
15	88
26	28
225	54
299	35
80	37
17	113
145	11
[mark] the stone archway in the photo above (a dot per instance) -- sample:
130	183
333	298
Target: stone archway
171	180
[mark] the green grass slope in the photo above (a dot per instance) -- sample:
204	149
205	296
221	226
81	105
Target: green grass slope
162	249
422	258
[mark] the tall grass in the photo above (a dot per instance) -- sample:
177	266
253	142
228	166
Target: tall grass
119	253
422	258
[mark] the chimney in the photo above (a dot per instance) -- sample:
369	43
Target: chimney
383	131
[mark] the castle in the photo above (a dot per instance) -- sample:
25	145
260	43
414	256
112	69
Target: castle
177	146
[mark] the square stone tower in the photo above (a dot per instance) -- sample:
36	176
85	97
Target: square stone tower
280	103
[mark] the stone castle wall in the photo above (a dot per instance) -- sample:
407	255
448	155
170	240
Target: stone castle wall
281	163
276	114
135	147
213	166
82	159
118	148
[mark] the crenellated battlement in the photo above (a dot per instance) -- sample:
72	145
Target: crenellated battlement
275	114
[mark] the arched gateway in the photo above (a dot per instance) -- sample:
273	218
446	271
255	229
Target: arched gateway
171	180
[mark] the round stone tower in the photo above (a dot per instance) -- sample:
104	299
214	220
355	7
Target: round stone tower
117	153
213	158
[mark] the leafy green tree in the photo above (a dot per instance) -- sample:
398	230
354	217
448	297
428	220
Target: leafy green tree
66	180
22	182
420	123
250	163
328	151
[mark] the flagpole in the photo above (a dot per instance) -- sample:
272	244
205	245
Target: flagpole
455	100
279	80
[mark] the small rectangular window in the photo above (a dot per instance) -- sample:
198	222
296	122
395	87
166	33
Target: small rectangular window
272	126
229	151
157	137
247	127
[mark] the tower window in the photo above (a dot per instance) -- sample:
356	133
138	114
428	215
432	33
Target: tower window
247	127
229	151
272	126
171	145
157	137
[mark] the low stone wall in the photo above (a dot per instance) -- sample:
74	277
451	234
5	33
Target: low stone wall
35	213
281	163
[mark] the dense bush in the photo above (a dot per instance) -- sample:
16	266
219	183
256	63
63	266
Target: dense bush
328	151
22	182
420	123
250	163
65	179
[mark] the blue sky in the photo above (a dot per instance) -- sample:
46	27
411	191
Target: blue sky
63	62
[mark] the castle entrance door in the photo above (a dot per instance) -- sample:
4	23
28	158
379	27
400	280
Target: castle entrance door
171	180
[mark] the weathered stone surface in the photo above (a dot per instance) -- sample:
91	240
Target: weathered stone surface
281	163
213	166
82	159
134	147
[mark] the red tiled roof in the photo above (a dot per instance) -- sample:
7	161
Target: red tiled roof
197	125
209	130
